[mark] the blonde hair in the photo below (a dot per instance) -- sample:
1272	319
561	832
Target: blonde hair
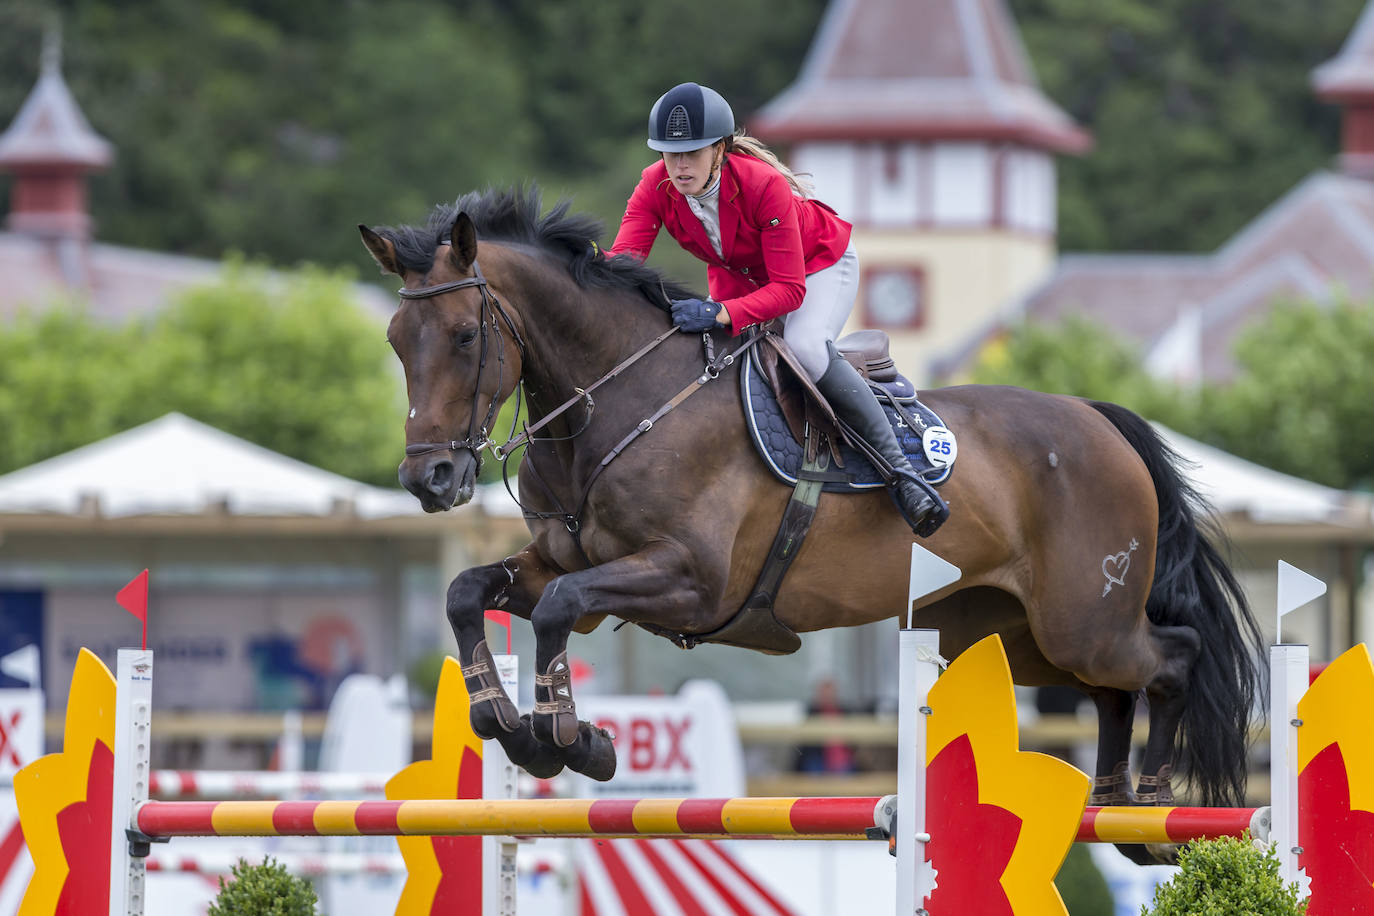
801	183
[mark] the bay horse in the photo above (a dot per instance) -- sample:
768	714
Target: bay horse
1079	538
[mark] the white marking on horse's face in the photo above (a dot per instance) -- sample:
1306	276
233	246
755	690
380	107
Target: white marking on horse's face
412	413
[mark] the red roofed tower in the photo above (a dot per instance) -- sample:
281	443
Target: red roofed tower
50	148
923	125
1348	80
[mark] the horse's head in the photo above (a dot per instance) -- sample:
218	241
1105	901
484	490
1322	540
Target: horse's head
460	351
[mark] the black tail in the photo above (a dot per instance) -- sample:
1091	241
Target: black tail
1195	587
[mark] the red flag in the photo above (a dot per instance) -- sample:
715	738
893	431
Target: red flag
134	599
501	619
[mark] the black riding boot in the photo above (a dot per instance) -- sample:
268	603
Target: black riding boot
855	404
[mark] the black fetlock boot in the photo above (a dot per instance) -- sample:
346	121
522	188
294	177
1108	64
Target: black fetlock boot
855	404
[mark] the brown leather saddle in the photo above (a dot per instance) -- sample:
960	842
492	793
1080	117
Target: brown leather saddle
801	401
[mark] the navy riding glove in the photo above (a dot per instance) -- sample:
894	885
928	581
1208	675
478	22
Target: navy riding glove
695	315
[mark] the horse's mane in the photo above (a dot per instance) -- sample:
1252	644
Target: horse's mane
512	215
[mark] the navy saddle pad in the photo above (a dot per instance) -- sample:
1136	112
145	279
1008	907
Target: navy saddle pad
783	453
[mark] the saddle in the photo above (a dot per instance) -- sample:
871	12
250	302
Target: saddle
800	438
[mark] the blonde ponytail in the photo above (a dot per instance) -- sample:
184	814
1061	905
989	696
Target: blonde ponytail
801	183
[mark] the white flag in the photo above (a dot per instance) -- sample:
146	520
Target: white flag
22	665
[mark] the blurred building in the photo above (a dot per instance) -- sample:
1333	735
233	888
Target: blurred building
922	123
49	251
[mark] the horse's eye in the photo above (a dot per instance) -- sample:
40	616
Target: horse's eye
464	339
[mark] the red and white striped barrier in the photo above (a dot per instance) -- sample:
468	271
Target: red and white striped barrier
172	784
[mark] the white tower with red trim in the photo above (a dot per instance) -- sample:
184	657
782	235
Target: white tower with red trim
922	124
1348	80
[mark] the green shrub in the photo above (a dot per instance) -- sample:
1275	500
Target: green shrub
264	890
1227	877
1081	885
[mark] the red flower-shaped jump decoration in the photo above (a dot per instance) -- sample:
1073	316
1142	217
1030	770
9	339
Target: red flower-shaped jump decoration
971	843
1337	842
460	857
84	828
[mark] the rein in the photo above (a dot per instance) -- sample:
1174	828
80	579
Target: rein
572	521
478	440
583	394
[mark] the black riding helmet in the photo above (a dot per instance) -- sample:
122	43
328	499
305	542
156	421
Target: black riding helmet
688	117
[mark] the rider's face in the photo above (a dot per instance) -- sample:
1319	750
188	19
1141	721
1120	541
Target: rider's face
691	172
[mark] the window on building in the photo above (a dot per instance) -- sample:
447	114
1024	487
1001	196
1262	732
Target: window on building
894	297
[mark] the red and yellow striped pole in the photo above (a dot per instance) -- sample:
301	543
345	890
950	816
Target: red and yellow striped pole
1127	824
672	817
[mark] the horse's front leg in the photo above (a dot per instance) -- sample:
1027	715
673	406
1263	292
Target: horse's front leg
513	584
656	584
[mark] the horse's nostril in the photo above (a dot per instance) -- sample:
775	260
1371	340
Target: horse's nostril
440	478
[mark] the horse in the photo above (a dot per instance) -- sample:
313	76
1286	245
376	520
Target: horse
1081	541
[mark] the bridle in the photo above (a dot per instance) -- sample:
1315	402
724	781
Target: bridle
477	438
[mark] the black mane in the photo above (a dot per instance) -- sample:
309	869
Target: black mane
512	215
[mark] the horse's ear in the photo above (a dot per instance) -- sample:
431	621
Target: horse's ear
383	252
463	237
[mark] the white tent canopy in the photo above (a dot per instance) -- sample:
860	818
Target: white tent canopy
177	466
1234	486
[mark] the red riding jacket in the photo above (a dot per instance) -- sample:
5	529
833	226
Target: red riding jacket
770	239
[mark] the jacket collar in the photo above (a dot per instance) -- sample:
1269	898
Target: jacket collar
729	214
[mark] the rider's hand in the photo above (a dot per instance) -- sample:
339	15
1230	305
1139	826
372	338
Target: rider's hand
694	316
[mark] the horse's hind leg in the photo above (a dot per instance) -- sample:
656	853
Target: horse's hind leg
1167	694
1115	714
514	583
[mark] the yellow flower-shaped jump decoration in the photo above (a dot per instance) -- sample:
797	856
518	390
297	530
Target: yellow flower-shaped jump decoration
445	872
992	808
65	802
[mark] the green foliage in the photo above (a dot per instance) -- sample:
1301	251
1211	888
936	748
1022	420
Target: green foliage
1201	110
1081	885
1300	402
1226	877
264	890
1081	358
281	360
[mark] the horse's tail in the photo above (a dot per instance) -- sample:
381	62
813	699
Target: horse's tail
1194	586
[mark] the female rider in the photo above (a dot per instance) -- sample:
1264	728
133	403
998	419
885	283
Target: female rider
771	251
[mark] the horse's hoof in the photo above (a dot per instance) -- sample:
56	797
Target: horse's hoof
593	754
1150	853
542	761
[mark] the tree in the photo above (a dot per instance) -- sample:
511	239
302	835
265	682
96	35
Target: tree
1201	109
282	360
1300	402
1078	357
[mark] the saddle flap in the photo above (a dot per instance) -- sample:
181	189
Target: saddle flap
801	402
